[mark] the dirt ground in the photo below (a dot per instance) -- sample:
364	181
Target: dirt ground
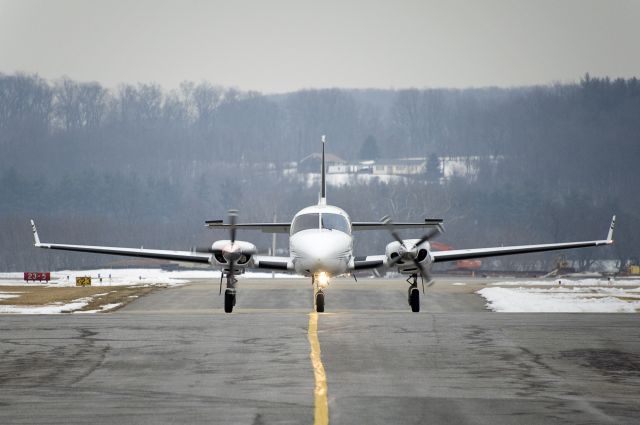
102	295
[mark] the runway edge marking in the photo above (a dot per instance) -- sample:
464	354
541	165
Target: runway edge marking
321	412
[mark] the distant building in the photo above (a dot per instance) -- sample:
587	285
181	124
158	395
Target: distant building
350	168
466	166
400	167
449	166
311	163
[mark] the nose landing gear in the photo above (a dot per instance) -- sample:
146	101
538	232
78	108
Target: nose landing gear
320	302
318	295
414	293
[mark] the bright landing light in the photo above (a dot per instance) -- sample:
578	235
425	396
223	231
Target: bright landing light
323	280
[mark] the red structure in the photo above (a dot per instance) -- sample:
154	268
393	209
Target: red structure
39	276
460	264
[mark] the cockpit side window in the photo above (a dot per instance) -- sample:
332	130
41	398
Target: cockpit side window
305	222
335	222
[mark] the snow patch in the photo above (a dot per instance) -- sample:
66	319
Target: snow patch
116	277
8	295
54	308
561	300
570	282
105	307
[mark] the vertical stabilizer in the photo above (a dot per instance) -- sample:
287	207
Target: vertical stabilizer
323	184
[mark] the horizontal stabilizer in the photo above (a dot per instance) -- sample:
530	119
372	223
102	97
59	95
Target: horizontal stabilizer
264	227
379	225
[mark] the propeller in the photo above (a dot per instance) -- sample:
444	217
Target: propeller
230	252
411	254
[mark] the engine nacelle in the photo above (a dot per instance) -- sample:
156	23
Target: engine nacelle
240	252
405	265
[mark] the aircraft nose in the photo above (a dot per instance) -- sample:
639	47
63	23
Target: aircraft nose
322	248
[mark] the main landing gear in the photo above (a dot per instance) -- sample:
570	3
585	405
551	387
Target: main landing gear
230	293
414	293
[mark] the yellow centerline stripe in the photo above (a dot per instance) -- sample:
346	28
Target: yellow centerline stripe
321	413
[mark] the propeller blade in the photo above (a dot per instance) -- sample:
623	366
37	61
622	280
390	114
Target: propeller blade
206	249
389	225
436	231
411	254
423	272
233	215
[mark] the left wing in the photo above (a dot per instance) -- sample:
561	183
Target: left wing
186	256
464	254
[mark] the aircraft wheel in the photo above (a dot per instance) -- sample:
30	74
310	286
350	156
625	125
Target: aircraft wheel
320	302
229	301
414	300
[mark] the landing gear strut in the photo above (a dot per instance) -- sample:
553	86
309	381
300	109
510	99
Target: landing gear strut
414	293
230	293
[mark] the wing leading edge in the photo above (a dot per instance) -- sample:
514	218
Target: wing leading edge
465	254
160	254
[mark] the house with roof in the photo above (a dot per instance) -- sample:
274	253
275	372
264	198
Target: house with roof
312	163
400	167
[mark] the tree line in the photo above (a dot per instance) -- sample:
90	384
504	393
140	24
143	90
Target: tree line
143	165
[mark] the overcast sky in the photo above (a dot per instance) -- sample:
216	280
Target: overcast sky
285	45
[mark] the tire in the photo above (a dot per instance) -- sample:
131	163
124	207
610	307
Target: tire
229	301
320	302
414	300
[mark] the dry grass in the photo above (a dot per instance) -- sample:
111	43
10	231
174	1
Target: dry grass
102	295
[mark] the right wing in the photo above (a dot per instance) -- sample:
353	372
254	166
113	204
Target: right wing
160	254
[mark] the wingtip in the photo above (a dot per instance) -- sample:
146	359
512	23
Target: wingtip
611	228
36	238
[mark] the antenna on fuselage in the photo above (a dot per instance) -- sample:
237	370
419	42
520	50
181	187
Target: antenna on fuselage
323	183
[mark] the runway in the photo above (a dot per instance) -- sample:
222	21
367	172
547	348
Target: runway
175	357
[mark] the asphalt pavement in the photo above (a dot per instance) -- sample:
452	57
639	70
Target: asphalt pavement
175	357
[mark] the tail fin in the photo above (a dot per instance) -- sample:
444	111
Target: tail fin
323	188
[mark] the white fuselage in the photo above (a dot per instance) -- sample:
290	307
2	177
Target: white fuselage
320	241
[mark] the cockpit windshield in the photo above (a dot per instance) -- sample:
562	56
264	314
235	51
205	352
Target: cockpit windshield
305	222
335	222
327	221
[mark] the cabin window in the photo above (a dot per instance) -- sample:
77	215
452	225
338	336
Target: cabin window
305	222
335	222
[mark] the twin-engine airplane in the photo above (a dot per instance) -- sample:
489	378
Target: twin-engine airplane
321	247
